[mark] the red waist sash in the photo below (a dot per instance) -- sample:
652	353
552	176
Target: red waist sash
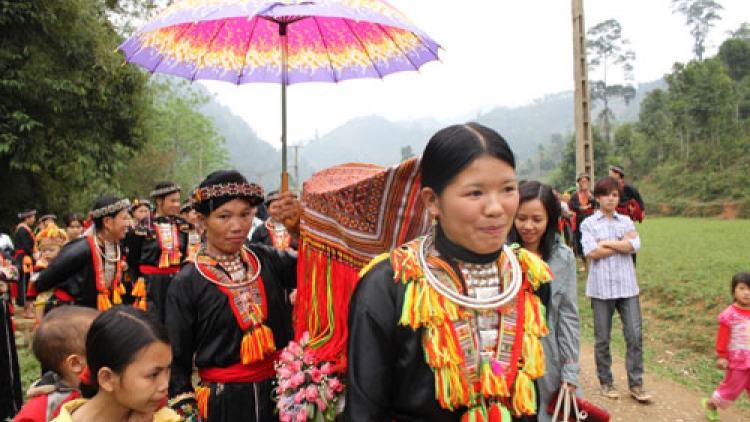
153	269
239	373
63	295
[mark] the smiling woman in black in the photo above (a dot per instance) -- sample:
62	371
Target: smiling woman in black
226	310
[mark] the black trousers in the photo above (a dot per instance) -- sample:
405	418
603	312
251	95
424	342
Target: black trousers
156	294
242	402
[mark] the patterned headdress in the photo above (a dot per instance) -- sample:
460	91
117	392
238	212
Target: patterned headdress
109	210
221	187
273	196
165	188
140	203
618	169
47	217
26	213
51	235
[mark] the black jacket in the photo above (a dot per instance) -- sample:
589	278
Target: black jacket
201	322
389	381
73	272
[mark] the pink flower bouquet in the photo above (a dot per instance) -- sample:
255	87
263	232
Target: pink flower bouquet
306	390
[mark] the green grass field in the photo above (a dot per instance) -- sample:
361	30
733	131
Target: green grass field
684	270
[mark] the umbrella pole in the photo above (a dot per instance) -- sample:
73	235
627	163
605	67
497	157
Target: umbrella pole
284	174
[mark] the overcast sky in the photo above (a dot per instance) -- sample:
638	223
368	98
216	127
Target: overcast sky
495	53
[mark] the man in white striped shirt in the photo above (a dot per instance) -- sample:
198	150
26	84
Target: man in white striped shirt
608	240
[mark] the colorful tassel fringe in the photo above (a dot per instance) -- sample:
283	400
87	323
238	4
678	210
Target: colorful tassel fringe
139	293
256	344
524	395
493	385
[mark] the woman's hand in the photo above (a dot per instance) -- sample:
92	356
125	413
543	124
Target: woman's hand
570	387
291	211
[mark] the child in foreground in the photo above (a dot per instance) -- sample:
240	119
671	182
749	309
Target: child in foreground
128	354
60	347
732	349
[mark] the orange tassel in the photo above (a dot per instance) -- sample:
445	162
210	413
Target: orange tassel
202	395
256	344
102	301
141	304
116	295
164	260
175	257
493	385
139	288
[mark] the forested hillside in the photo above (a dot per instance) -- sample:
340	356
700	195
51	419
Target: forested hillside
75	124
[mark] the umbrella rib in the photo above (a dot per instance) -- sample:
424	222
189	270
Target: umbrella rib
388	34
244	59
367	53
162	56
213	38
328	53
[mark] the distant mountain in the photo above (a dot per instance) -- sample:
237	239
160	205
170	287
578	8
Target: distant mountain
255	158
371	139
376	140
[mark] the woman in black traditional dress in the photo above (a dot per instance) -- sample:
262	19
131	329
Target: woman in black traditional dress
226	311
446	327
11	397
157	248
88	270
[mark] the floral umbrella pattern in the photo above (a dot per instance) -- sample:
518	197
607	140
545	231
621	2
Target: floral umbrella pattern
239	41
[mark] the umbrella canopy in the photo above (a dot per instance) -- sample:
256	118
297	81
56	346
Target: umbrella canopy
286	42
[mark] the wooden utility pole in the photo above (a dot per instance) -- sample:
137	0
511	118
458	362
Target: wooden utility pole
584	139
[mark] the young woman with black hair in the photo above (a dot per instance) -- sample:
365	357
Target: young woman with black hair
226	311
536	230
446	327
88	270
74	225
128	357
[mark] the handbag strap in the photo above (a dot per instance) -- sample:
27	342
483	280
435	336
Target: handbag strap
566	401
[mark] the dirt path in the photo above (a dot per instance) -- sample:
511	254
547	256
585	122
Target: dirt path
672	402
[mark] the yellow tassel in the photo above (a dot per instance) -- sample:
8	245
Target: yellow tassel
440	347
537	270
141	304
117	296
28	264
102	301
175	257
524	396
256	344
139	288
493	385
451	386
164	260
202	394
533	354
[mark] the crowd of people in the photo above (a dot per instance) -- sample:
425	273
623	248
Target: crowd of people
158	310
